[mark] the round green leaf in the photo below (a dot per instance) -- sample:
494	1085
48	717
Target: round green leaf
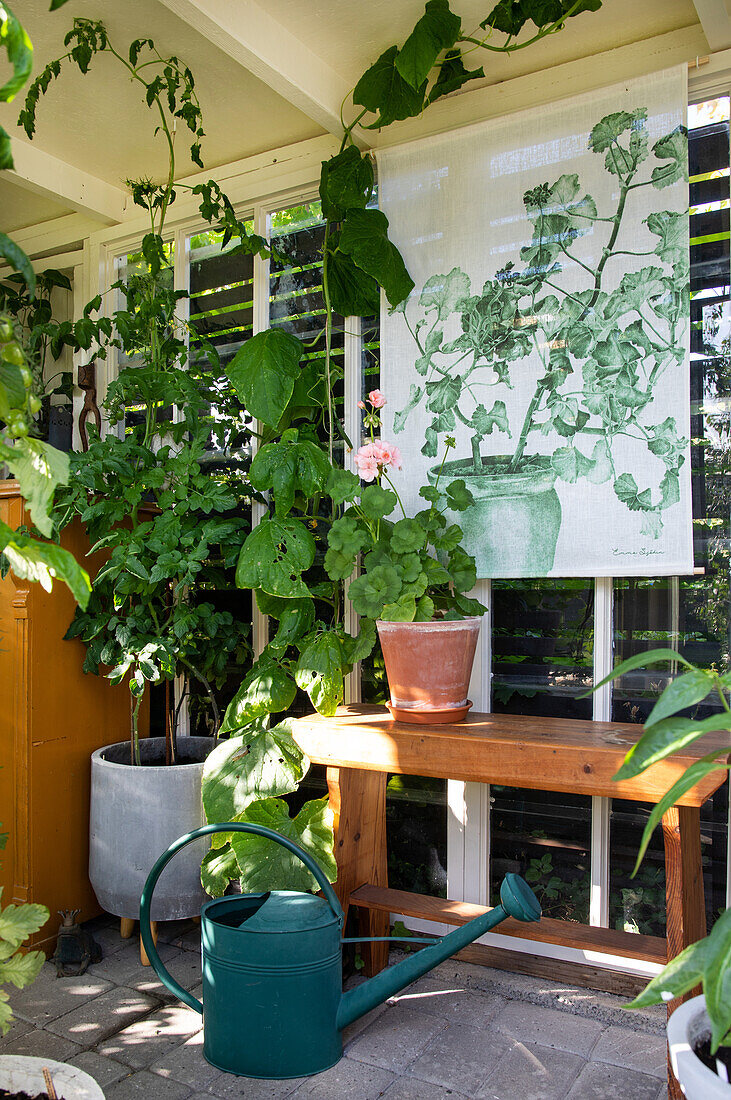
266	865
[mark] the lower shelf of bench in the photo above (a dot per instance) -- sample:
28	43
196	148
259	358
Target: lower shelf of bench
583	937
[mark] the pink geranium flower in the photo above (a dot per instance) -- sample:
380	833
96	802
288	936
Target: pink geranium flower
376	399
373	458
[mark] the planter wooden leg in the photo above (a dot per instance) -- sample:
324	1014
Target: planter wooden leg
686	911
126	927
358	801
143	954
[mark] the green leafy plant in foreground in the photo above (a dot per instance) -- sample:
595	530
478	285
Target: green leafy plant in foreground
38	467
17	967
665	732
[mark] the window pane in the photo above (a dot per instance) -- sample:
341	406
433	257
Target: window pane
543	637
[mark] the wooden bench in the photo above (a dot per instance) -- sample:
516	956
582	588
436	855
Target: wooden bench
362	744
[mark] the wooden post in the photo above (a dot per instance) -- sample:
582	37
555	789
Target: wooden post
358	801
686	911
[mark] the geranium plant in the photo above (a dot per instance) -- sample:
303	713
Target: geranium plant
403	579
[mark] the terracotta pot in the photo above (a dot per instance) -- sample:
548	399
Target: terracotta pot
428	667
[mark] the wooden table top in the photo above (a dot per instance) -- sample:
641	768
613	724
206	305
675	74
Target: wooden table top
550	754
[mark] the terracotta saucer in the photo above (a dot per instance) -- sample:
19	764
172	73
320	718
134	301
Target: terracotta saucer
424	717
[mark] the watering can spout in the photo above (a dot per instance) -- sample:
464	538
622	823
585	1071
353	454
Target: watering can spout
516	900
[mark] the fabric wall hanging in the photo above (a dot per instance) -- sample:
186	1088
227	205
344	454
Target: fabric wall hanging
548	332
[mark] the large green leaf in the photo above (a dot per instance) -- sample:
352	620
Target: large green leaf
320	672
682	974
666	737
218	868
21	970
352	292
289	466
452	75
17	922
692	775
266	865
34	560
346	180
437	30
39	468
443	293
260	763
274	556
384	91
19	49
682	692
11	252
263	373
364	237
640	660
267	689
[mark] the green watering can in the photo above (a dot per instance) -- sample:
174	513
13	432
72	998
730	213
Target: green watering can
272	967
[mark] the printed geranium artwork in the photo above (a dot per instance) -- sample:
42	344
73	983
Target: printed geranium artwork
554	345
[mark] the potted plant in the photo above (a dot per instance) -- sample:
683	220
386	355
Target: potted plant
595	355
699	1031
168	529
427	626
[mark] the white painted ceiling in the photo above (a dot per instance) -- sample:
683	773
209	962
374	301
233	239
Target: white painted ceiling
100	124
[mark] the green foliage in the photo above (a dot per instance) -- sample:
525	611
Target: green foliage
18	968
265	865
665	732
168	529
264	371
19	50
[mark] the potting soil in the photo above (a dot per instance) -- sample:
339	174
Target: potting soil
702	1050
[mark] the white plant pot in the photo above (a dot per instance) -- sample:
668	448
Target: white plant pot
21	1074
136	813
687	1024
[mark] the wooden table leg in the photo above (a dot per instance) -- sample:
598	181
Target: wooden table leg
358	801
686	910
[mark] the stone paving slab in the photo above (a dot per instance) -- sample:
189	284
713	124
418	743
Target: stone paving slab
104	1070
461	1058
151	1038
146	1086
450	1003
50	997
532	1072
104	1015
39	1043
346	1079
624	1047
598	1081
395	1039
547	1027
409	1089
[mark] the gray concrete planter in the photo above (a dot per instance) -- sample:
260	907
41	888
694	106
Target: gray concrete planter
136	813
19	1073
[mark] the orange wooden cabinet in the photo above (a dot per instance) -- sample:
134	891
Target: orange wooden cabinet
52	717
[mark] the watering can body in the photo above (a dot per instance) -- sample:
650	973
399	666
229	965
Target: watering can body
272	968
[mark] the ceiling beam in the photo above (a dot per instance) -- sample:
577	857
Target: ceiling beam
716	23
55	235
266	48
46	175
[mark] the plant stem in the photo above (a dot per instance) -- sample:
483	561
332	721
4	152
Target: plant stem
209	691
476	456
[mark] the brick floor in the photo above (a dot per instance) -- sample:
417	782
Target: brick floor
460	1032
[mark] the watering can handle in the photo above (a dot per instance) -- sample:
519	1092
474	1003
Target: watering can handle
206	830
